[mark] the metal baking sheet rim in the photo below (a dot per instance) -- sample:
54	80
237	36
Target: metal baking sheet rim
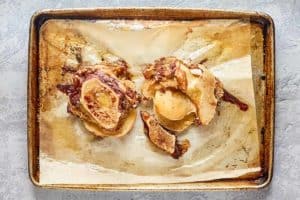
264	19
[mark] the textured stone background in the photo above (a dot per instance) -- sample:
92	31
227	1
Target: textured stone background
14	21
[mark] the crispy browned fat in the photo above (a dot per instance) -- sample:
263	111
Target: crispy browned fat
162	138
103	99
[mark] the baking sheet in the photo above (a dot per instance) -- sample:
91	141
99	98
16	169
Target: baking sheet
229	147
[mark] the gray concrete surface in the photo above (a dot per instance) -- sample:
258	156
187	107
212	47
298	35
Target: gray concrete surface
14	21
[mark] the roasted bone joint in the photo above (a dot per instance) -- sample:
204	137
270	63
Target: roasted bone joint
161	138
101	100
195	81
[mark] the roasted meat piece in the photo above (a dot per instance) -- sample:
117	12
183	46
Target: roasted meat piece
103	101
191	90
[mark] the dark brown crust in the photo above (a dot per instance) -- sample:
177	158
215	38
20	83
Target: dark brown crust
162	69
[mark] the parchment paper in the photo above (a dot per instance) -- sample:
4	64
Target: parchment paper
228	147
